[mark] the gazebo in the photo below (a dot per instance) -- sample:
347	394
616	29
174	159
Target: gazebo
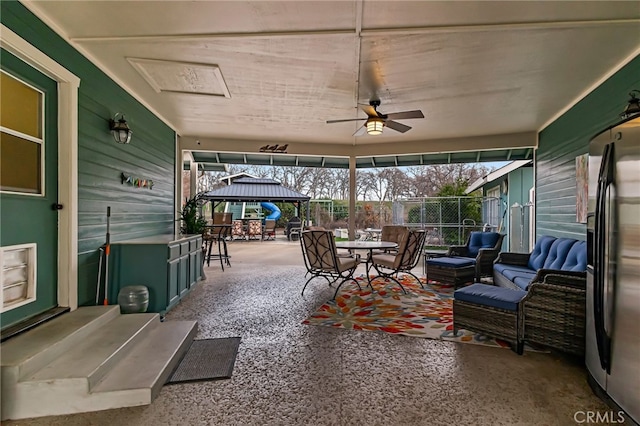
248	189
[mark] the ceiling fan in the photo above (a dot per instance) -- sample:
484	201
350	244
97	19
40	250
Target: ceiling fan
375	120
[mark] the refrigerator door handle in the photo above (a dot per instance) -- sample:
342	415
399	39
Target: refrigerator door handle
602	339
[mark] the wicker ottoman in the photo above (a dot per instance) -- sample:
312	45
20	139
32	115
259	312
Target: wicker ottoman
452	270
490	310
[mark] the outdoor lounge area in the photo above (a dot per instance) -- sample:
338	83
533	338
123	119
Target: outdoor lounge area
516	119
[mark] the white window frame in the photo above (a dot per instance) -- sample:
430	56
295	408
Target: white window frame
40	141
494	193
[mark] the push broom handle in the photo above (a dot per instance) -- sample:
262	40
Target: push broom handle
107	251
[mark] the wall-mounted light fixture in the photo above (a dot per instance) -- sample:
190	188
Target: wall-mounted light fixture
119	129
374	126
633	105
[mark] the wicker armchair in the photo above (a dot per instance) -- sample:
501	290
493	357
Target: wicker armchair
553	311
484	247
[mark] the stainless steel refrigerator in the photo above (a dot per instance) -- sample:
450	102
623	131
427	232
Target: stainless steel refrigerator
613	271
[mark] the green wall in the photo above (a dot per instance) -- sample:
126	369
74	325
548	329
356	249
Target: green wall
568	137
135	212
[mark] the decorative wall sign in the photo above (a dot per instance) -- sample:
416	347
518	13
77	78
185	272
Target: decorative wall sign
278	149
137	182
582	187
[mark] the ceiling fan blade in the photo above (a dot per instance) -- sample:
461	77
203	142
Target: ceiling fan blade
361	131
405	115
345	120
369	110
398	127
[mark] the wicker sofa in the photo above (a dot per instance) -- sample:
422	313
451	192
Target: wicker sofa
553	275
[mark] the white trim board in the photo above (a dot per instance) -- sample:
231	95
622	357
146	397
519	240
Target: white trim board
68	84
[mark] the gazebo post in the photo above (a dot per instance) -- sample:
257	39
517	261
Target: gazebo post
308	212
352	197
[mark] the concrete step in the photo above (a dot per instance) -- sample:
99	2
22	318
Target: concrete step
31	351
95	355
149	365
102	361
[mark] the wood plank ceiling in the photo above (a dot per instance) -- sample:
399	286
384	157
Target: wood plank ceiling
234	76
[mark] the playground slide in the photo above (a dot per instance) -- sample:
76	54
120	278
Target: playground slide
275	211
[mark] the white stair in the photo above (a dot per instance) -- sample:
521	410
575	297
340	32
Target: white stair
91	359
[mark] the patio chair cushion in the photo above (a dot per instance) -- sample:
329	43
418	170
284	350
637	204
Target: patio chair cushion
385	259
479	240
452	262
345	263
489	295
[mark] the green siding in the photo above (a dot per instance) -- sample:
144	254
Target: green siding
568	137
135	212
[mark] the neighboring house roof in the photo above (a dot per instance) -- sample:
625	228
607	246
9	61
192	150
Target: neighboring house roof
496	174
255	189
232	178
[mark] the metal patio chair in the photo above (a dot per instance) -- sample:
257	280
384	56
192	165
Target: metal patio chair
321	259
388	265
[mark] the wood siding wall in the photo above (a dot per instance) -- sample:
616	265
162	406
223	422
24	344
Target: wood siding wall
565	139
135	212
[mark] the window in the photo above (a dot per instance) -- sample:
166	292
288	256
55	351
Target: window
492	206
21	137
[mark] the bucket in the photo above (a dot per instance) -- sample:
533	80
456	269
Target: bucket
133	299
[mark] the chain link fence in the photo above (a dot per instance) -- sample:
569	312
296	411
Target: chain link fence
447	220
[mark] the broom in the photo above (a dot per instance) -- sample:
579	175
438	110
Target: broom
107	250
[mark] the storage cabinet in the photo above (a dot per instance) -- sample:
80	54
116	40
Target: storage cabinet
169	265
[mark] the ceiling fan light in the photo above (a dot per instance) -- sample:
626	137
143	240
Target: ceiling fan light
374	126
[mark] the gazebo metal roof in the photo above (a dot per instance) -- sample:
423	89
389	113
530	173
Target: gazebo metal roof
255	189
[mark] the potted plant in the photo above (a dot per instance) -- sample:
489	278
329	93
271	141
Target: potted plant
192	222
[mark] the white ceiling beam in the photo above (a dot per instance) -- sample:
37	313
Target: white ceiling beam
363	32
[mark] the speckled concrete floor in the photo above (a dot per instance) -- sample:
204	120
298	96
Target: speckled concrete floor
287	373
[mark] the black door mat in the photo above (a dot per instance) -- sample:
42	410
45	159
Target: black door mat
207	359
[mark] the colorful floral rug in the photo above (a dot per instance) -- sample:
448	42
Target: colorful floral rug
420	312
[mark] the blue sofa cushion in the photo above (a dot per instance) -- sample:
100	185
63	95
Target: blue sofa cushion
489	295
502	267
523	282
540	252
558	253
576	259
452	262
479	240
512	274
